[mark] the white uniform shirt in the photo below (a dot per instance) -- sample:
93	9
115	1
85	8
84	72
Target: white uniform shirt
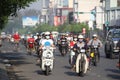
46	42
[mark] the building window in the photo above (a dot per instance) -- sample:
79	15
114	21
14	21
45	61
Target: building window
58	12
65	3
118	3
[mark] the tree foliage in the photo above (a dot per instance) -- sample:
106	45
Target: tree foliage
75	27
9	8
45	27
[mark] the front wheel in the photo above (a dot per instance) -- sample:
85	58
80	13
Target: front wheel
47	70
96	60
63	52
81	68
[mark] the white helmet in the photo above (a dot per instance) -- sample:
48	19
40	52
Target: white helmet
37	33
80	36
95	35
47	33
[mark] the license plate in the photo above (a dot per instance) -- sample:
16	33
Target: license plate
92	54
63	42
72	53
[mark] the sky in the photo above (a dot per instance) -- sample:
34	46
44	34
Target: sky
35	5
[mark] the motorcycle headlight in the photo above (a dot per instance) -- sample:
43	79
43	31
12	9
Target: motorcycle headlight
115	42
82	50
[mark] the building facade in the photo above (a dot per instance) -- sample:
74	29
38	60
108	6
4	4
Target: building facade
112	12
83	12
59	10
44	11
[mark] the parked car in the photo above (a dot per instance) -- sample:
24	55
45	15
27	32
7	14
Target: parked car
112	38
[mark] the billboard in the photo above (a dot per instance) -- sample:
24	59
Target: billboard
30	20
59	20
56	21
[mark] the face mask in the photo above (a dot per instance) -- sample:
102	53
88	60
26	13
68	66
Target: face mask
80	40
75	39
47	37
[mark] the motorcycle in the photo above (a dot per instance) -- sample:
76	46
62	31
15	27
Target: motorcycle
63	49
81	63
30	47
94	54
47	60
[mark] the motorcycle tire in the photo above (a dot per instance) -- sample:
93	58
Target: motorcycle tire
81	68
95	61
63	52
47	70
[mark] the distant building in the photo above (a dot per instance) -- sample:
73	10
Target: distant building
44	11
58	11
112	12
83	12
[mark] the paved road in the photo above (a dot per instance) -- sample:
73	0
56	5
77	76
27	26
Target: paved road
26	67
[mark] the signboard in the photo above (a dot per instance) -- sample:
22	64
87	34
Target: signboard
44	11
56	21
83	30
30	20
113	3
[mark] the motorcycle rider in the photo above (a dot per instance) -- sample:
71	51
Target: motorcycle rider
95	41
37	43
71	45
29	41
63	39
16	38
73	42
79	45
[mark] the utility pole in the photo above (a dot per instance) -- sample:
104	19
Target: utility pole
75	10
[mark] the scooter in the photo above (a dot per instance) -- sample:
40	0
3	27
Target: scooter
94	54
81	63
47	60
30	47
63	49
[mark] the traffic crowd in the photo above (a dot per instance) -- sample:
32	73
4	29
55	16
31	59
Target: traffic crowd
67	43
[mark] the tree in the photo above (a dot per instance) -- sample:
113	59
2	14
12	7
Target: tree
10	8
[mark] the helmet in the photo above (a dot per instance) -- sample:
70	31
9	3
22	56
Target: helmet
95	35
47	33
63	34
37	34
80	36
